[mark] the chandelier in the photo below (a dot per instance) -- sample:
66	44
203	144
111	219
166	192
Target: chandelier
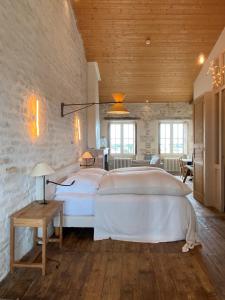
217	74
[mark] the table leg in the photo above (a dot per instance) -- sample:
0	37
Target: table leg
44	242
12	245
61	228
35	231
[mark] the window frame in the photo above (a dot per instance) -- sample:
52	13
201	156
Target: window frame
185	137
122	122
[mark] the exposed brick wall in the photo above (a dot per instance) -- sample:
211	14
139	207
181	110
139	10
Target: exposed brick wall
41	51
147	127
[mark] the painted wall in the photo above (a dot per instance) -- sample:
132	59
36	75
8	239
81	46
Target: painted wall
148	125
41	52
203	81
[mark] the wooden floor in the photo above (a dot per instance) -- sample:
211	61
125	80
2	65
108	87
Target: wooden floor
108	269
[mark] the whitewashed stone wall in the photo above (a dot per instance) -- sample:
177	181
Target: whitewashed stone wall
147	127
40	51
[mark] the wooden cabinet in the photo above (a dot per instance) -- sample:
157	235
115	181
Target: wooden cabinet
199	154
209	149
223	147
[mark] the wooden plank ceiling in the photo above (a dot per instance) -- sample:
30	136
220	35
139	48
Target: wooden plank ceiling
114	34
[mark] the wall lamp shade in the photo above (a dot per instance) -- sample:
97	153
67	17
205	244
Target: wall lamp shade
42	169
118	107
118	97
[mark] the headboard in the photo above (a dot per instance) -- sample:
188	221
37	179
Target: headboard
59	175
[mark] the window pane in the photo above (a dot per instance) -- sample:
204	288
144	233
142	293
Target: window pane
125	131
172	137
165	138
175	131
115	138
178	138
162	131
122	138
129	138
115	146
168	131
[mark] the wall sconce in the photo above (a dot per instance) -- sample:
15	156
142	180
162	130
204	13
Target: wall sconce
117	107
33	113
77	130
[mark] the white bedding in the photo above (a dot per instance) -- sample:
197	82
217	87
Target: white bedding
87	183
155	211
76	204
145	218
152	182
135	169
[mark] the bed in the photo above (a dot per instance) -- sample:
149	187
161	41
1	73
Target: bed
135	204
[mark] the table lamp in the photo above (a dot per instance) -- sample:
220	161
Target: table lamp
87	157
42	169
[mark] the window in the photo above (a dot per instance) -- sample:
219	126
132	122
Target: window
173	137
122	137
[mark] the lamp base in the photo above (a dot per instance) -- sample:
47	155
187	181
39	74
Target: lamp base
42	202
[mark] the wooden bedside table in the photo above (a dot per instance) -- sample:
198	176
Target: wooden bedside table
35	215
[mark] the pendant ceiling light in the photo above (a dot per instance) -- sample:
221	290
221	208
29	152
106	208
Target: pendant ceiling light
118	107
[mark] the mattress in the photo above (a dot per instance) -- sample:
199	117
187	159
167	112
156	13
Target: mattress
76	204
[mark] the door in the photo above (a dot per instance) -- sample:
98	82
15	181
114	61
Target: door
223	152
198	155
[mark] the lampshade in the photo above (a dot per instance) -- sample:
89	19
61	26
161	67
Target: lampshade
86	155
118	97
118	108
42	169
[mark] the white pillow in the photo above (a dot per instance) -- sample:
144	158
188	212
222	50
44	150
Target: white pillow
143	183
132	169
84	183
93	170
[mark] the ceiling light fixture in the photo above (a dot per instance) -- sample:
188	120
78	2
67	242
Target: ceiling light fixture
148	42
217	73
201	59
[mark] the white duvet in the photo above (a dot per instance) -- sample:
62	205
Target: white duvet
145	218
156	209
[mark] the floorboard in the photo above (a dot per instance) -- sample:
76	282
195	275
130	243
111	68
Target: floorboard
115	270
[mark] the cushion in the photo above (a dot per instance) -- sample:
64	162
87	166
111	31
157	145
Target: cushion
144	183
84	183
154	160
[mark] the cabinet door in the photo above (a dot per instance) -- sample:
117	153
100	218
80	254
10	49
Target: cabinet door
198	184
223	153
